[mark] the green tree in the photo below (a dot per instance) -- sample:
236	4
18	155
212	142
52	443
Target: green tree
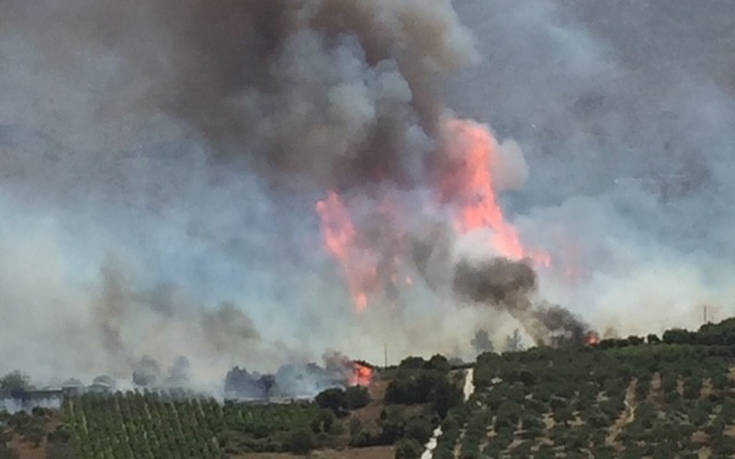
408	449
333	399
15	381
439	362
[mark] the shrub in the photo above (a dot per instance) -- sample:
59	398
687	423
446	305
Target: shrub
677	336
7	453
356	397
408	449
300	441
323	421
419	429
364	438
333	399
438	362
412	363
355	426
392	428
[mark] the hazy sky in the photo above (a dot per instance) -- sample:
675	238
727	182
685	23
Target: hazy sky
154	167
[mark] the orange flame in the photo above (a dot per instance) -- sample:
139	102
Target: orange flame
362	375
469	183
340	239
592	339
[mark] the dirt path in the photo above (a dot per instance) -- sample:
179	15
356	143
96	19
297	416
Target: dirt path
468	389
432	444
626	417
469	385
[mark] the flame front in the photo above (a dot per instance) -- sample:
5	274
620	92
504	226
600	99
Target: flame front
340	239
468	183
362	375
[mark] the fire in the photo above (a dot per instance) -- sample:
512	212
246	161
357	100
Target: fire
362	375
466	187
592	339
340	239
469	184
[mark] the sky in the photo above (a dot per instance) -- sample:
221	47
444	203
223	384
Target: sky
160	165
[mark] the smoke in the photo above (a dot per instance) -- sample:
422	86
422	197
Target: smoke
161	161
292	380
511	286
622	118
160	165
500	280
338	91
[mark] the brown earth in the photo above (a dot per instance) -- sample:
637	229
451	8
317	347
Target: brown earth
27	450
626	416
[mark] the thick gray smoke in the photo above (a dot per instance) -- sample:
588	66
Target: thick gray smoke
624	113
511	286
339	91
160	163
501	281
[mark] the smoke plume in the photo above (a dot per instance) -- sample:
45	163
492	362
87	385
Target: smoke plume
511	286
230	181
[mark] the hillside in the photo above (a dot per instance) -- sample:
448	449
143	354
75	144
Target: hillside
633	397
396	412
622	398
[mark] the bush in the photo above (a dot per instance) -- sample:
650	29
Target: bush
300	441
419	429
392	428
677	336
408	449
7	453
364	438
420	386
438	362
412	363
323	421
356	397
355	426
333	399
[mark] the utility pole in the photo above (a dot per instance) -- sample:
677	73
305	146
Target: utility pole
385	353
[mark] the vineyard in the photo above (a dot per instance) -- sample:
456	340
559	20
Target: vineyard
401	408
160	425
